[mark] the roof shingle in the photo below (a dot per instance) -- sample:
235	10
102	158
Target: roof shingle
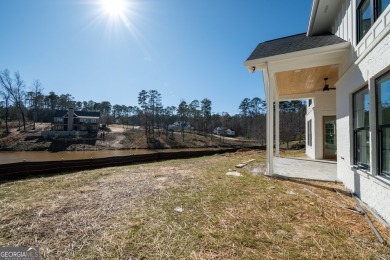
293	43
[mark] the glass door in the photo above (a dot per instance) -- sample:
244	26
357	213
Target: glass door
330	139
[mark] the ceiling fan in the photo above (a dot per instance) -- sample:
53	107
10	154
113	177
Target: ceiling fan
326	86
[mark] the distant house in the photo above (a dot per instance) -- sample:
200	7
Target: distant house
225	132
180	125
230	132
70	120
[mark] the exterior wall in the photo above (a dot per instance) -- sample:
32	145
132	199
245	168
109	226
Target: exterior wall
374	35
342	26
345	28
370	187
70	122
310	150
366	60
324	104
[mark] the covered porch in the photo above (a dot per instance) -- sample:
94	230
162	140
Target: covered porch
295	68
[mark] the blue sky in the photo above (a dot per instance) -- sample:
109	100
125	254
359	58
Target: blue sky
183	49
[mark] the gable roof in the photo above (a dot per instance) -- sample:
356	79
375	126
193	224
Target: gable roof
294	43
62	113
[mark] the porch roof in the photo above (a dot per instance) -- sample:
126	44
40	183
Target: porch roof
296	66
294	43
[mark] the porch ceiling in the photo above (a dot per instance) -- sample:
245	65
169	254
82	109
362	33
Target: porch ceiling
304	81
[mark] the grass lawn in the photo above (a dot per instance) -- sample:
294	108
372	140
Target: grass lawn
129	212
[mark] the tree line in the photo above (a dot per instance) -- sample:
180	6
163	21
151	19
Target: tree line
251	121
22	103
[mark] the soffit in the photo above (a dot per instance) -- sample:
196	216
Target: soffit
324	16
303	81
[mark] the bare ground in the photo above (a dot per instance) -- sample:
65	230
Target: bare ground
123	212
119	137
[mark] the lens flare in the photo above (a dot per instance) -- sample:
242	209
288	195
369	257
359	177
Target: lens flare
114	7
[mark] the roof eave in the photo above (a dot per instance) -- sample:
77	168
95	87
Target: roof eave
253	65
312	17
261	63
322	16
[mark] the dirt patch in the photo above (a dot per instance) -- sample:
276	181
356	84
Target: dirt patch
118	137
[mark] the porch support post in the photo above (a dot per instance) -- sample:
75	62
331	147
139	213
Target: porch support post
270	122
277	142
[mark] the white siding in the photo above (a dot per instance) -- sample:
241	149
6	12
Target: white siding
342	25
345	27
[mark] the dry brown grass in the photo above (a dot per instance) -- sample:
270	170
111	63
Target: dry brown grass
123	212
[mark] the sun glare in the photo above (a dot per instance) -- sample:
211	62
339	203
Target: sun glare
119	17
114	7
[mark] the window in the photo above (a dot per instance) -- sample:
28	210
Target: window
383	116
310	102
367	13
381	6
58	128
58	120
361	128
364	18
309	133
88	120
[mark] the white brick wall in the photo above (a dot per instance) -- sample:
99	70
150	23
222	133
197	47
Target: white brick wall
371	188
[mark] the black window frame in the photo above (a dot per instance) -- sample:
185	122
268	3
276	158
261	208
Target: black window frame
375	13
357	130
379	128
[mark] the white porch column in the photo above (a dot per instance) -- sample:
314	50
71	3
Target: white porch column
277	142
270	122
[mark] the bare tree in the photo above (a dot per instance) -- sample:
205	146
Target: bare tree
6	96
36	90
15	88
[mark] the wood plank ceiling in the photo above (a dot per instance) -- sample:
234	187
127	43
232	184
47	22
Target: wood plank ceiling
303	81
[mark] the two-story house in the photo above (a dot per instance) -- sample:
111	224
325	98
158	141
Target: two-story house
71	120
342	67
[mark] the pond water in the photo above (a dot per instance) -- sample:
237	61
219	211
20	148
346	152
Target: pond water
40	156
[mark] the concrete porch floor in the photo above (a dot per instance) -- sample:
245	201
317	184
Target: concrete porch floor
305	169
